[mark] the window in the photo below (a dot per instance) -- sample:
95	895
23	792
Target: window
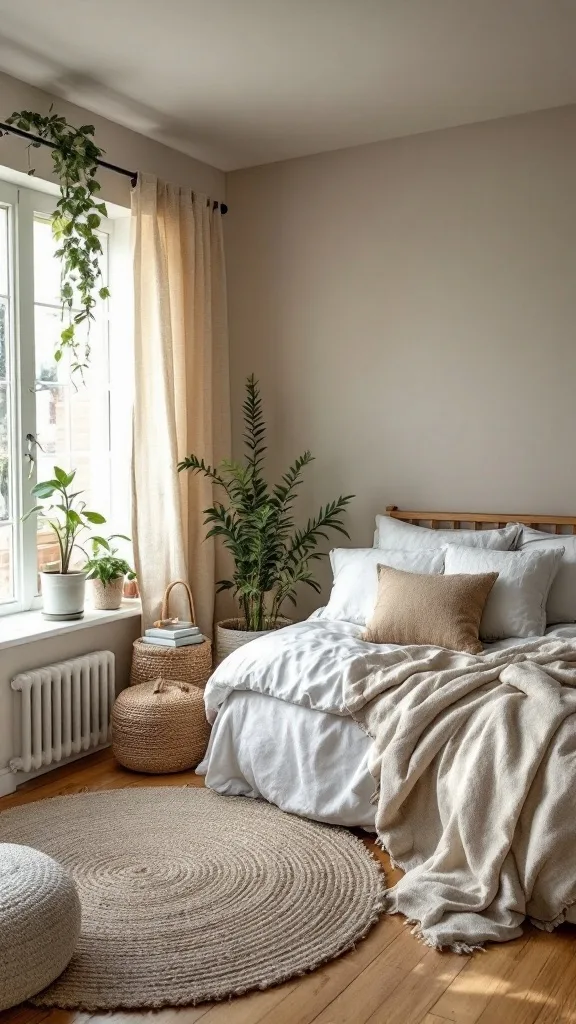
78	425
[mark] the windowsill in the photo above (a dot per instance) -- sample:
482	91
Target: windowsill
25	627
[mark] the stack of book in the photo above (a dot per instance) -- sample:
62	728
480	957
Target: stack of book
174	634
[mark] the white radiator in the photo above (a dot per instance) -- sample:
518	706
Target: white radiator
63	709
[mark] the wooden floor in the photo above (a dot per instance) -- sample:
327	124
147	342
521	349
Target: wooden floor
390	978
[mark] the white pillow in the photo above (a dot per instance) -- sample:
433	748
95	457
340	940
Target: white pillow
393	533
353	595
561	604
516	605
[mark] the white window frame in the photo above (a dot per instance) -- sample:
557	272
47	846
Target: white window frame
23	204
9	199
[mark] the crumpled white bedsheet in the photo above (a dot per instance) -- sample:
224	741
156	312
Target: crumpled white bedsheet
307	762
279	735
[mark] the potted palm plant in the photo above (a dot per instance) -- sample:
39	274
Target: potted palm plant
271	555
107	572
63	589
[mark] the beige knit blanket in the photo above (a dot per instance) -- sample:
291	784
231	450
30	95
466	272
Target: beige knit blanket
475	762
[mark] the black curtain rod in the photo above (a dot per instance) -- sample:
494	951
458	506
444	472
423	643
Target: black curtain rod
133	175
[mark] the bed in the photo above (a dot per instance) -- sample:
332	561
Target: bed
287	735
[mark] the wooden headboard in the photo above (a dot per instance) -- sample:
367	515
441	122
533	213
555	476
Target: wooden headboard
483	520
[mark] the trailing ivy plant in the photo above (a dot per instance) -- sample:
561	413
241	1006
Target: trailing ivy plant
75	224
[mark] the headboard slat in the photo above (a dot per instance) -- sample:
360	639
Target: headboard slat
478	520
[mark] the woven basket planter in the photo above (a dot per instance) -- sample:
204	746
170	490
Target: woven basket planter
107	596
231	634
160	727
192	664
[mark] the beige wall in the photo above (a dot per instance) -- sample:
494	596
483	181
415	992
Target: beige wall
410	309
123	147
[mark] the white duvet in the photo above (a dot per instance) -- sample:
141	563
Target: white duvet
274	736
304	664
312	664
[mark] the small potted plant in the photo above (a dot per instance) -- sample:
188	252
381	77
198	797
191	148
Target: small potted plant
63	589
271	554
107	572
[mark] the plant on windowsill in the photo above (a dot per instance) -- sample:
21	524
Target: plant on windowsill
107	572
63	590
75	223
271	555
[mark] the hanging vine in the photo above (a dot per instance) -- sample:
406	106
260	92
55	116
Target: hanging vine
75	224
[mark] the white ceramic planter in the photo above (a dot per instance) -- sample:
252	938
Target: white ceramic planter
230	635
107	596
63	595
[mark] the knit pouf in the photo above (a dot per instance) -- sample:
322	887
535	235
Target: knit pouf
160	727
39	922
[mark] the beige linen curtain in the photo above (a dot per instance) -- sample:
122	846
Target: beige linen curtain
182	401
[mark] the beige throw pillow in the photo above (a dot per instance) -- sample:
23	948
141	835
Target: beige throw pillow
440	611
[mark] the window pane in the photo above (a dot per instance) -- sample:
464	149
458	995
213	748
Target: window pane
6	564
47	327
52	421
45	469
47	267
4	488
3	337
3	420
3	250
89	412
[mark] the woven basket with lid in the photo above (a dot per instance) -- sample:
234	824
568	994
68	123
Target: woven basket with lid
160	726
192	664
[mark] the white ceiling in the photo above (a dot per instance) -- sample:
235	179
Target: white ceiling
242	82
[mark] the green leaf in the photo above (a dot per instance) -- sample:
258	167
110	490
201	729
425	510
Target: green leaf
32	512
94	517
100	542
61	476
45	490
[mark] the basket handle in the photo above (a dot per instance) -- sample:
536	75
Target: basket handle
165	601
161	686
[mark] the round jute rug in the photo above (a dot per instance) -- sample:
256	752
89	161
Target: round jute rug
189	896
